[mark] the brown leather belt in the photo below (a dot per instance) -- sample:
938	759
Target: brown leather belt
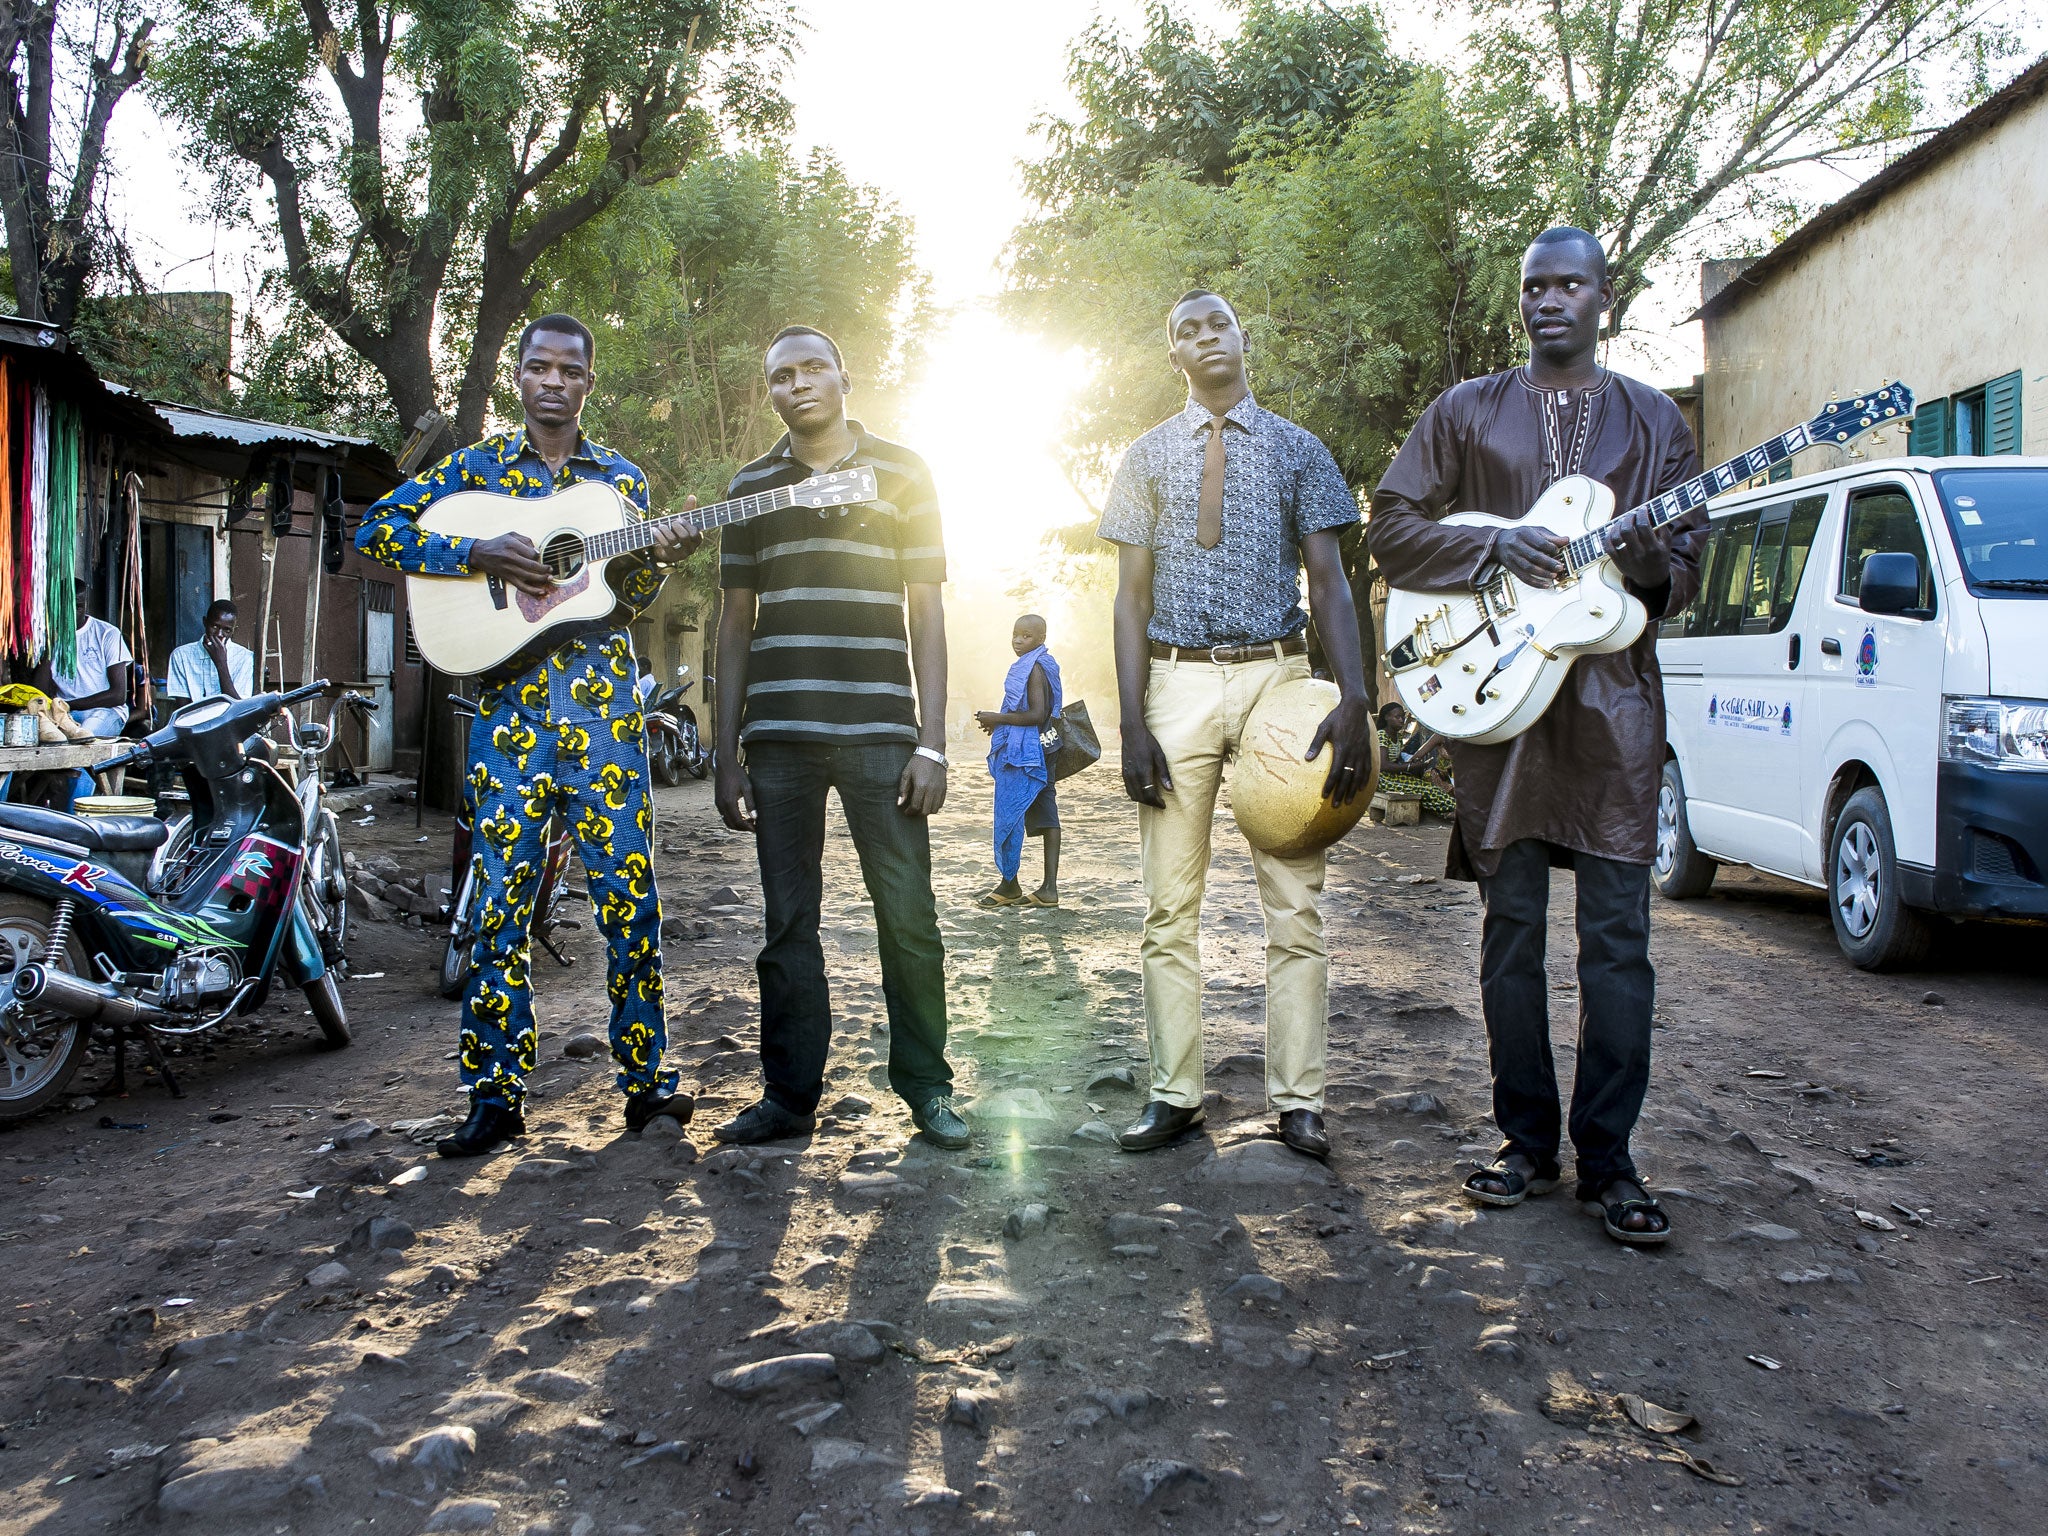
1226	655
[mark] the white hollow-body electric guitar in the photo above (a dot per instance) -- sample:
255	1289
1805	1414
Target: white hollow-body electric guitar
1483	665
469	624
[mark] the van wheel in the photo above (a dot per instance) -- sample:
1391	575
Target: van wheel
1877	930
1680	870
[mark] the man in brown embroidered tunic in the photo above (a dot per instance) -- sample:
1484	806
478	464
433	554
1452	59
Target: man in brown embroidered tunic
1578	789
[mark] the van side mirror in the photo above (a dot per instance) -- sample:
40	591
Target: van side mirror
1891	583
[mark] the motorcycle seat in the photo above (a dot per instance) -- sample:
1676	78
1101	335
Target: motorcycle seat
95	834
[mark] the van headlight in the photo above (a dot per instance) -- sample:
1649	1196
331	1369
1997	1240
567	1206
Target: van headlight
2002	733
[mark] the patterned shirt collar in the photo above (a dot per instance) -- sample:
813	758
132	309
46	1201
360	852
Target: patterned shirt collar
1245	414
783	450
513	447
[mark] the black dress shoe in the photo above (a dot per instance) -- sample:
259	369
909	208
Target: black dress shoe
764	1121
1302	1129
1160	1123
488	1127
643	1107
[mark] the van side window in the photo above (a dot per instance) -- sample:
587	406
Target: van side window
1800	527
1727	588
1883	520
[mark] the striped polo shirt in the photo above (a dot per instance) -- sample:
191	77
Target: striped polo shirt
831	655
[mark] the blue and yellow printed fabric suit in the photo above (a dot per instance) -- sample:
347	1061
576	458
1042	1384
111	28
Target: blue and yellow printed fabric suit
563	732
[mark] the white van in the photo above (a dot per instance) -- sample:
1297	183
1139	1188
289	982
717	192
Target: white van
1858	698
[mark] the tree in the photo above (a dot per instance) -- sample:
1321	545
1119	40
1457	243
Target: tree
1370	271
1178	95
1647	120
424	156
49	205
683	284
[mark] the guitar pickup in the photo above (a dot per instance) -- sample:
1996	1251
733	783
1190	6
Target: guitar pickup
497	588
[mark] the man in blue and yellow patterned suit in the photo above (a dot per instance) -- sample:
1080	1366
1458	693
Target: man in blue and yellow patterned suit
559	729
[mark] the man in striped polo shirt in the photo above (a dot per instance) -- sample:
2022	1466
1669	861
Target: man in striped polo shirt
815	670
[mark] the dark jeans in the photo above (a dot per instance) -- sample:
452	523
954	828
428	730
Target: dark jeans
790	780
1617	989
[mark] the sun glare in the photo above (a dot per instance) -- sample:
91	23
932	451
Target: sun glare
987	419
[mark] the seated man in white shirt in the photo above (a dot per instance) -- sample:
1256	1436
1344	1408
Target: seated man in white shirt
213	663
97	689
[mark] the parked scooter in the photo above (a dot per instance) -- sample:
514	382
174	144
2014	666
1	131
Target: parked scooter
95	930
325	894
548	914
674	746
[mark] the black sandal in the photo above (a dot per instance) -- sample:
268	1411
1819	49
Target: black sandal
1519	1187
1614	1213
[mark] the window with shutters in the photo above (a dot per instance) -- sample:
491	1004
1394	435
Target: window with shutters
1983	420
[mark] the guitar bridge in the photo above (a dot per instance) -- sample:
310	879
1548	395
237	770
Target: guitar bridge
496	587
1427	645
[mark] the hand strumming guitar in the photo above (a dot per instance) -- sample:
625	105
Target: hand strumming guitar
513	557
1531	552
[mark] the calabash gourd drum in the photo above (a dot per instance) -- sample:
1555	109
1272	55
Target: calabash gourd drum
1276	796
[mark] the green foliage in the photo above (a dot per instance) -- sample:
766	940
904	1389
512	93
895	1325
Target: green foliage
1179	96
423	156
1658	123
1370	271
683	284
1366	215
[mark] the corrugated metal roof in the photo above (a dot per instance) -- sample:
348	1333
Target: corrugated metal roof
196	421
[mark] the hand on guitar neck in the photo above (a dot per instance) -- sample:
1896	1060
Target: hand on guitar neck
1640	552
513	557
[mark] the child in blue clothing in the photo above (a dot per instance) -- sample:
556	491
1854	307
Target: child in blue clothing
1025	801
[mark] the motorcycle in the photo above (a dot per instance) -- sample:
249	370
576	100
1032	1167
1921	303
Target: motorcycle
326	885
97	928
457	959
674	745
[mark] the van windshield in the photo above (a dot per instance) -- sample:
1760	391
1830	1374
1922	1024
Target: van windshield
1999	521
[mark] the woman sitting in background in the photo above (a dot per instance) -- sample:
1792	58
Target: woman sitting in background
1414	762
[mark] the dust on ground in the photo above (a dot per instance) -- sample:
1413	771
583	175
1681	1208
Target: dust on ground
263	1308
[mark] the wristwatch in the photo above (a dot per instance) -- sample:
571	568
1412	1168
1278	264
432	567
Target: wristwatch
934	754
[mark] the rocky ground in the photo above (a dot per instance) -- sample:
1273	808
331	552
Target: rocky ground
267	1307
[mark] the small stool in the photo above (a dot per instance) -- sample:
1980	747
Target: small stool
1398	810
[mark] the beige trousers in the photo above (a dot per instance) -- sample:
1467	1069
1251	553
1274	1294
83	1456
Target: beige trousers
1196	711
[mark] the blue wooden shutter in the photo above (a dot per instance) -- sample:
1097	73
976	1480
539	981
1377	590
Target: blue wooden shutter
1930	428
1780	471
2002	414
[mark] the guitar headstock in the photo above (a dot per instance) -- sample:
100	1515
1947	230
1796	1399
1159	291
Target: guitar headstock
1840	420
836	488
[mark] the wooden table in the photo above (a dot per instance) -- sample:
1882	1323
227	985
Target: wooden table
60	756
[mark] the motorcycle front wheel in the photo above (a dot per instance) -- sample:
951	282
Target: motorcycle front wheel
38	1053
695	758
455	959
663	759
324	997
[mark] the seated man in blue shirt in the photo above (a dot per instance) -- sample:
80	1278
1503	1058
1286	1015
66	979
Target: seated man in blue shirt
558	732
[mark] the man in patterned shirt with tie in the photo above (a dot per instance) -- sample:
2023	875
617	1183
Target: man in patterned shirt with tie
1215	511
559	730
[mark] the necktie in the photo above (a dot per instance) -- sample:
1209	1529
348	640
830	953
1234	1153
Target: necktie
1209	511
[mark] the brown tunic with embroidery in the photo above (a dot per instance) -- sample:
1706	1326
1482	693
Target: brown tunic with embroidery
1584	777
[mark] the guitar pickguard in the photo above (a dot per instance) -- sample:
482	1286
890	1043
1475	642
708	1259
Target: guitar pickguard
536	608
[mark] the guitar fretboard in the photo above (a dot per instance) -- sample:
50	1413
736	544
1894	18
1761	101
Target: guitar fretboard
641	535
1838	424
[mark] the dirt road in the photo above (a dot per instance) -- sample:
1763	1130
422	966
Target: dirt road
223	1319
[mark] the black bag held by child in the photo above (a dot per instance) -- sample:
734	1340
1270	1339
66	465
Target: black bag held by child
1070	742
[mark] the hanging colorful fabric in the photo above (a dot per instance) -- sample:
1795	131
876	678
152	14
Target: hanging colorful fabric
38	525
60	591
7	645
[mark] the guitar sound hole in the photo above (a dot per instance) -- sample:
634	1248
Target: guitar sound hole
562	554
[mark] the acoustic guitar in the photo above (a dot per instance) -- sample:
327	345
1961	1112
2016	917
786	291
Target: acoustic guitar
464	625
1483	665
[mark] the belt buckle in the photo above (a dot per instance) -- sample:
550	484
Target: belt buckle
1216	656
